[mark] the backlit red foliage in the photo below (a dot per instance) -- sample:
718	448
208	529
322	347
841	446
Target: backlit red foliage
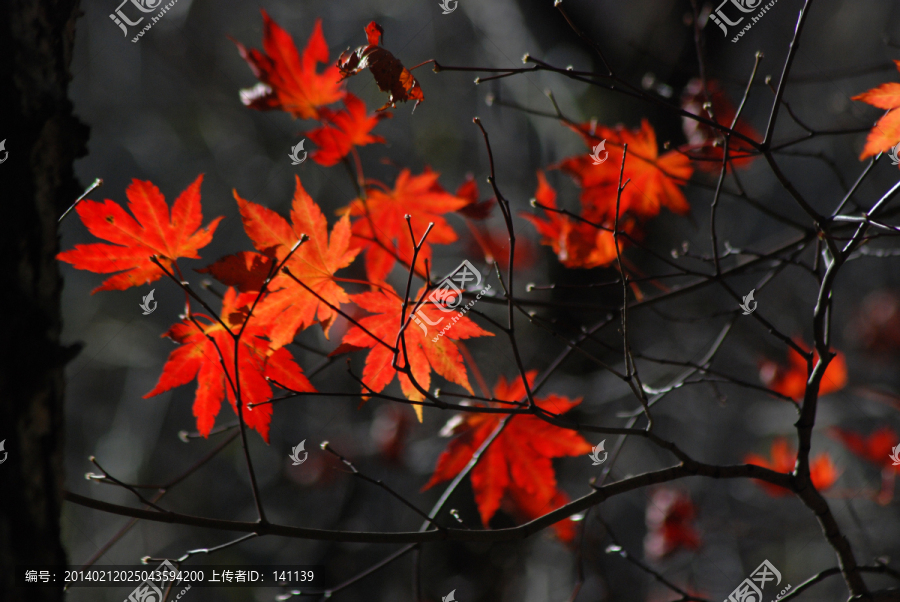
791	380
876	448
152	231
822	470
288	81
577	244
380	227
516	468
706	143
670	517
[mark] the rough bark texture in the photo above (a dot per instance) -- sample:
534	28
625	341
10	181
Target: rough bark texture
37	182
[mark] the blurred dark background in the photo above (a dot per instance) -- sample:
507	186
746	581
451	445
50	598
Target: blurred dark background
167	108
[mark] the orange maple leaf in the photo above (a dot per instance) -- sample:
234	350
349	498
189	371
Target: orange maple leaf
822	470
382	230
705	143
875	448
288	82
390	74
343	130
576	243
791	380
289	307
426	351
516	466
199	357
154	232
886	132
655	178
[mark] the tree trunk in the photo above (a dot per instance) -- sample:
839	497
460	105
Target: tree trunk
37	181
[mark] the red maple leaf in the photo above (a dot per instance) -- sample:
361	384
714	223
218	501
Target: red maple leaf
342	130
516	467
289	306
154	232
493	243
669	517
791	380
655	178
877	448
382	230
474	209
577	244
822	470
390	74
425	349
705	143
202	354
886	132
287	81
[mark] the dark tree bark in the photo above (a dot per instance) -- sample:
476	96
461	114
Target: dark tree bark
37	182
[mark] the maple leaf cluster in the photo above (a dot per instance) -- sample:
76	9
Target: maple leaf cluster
651	180
289	283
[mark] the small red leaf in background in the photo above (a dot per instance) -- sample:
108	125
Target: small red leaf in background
287	81
390	74
381	218
493	243
199	357
876	325
655	179
876	448
791	380
576	244
389	431
515	470
342	130
705	143
474	209
822	470
670	514
154	232
424	354
886	133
